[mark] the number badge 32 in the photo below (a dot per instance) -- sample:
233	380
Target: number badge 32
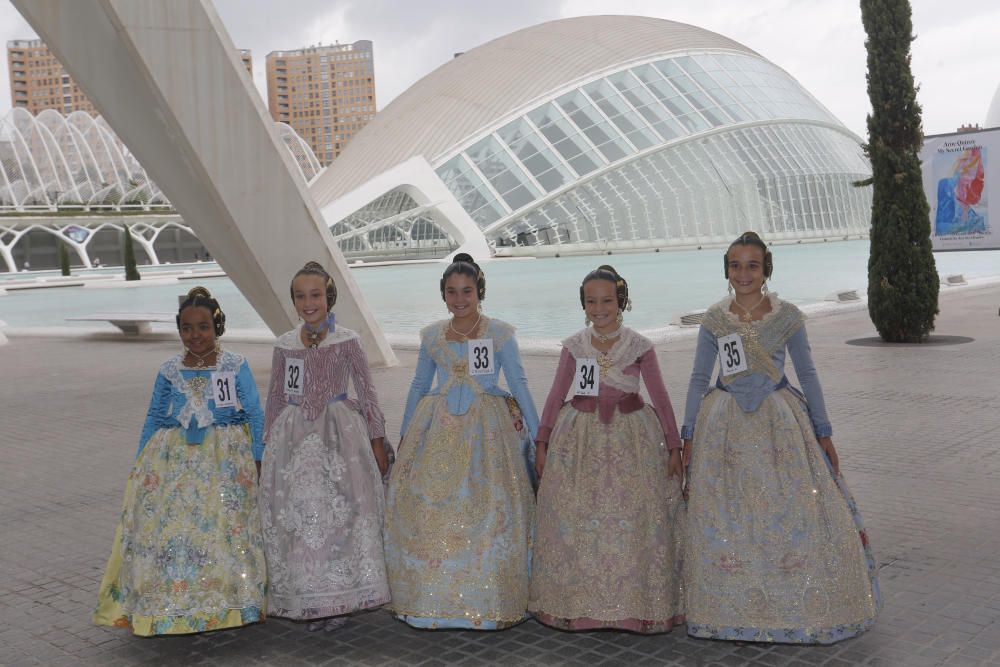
295	371
732	358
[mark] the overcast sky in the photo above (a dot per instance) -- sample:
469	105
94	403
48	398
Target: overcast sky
819	42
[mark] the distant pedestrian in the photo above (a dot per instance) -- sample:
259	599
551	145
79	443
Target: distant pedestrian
776	550
610	507
188	554
322	497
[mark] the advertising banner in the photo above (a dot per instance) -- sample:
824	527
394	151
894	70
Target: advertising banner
961	175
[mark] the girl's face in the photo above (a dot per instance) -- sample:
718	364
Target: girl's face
746	269
197	329
309	296
460	295
601	304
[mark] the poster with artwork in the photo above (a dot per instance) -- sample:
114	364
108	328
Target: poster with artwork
958	180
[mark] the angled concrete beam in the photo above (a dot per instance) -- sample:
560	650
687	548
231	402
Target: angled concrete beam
167	78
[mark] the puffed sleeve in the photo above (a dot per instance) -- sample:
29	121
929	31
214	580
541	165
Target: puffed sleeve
801	354
649	368
421	384
557	394
277	400
246	389
159	410
510	362
701	374
363	385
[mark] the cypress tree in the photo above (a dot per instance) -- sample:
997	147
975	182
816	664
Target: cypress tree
131	272
63	259
902	277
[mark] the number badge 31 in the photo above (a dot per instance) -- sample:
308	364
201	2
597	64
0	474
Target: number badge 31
224	389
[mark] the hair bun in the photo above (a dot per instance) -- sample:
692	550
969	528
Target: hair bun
199	291
313	265
464	257
608	267
750	234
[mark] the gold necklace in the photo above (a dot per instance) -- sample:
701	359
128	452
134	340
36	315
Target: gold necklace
748	316
465	336
200	357
604	338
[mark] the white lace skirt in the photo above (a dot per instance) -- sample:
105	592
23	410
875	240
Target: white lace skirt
322	507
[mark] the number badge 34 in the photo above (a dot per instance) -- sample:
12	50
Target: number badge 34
587	381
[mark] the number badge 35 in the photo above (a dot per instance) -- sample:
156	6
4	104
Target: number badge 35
732	358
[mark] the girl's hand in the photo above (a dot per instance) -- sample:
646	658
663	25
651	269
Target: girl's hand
686	455
540	451
381	457
674	467
826	443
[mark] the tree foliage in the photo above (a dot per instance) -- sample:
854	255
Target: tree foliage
902	278
131	271
63	259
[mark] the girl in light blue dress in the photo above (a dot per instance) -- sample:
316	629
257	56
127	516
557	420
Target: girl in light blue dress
776	548
460	507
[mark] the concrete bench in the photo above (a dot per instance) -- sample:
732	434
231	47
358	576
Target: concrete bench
130	323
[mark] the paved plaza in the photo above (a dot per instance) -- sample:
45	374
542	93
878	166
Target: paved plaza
917	427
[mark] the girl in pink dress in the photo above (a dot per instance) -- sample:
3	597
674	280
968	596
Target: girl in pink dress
608	538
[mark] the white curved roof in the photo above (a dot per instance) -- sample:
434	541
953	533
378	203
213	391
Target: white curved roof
488	83
993	114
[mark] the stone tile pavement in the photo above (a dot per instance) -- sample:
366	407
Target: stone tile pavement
918	429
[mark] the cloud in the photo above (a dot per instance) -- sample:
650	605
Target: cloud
819	42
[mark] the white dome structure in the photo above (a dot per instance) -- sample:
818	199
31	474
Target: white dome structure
598	132
52	163
993	113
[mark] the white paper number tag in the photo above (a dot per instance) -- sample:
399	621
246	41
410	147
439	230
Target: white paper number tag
481	356
587	381
224	389
295	380
732	358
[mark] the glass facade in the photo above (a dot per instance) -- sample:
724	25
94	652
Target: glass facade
50	161
691	146
394	220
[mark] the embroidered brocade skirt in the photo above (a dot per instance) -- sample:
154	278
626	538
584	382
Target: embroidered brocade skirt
609	540
322	507
777	551
460	512
188	555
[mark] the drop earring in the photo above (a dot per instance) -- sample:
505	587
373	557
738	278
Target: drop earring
730	289
763	288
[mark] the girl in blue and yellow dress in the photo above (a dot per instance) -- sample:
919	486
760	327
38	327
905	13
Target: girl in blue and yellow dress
776	548
188	554
460	507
